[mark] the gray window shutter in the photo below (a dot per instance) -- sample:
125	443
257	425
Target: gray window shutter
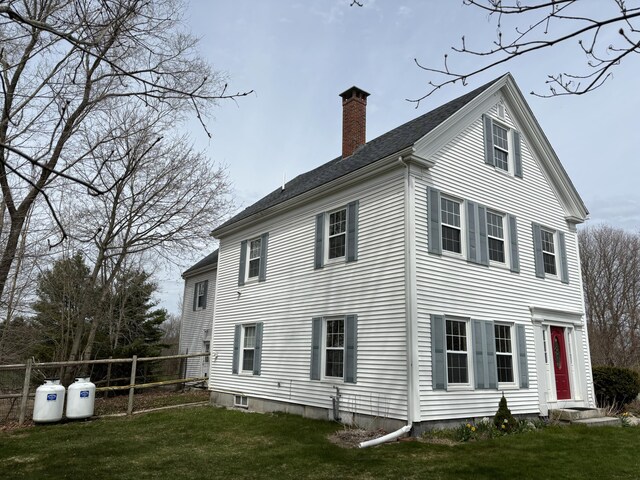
351	343
352	231
537	250
264	242
517	154
523	367
438	353
435	233
236	349
257	352
514	254
243	259
484	355
483	241
477	240
491	355
488	140
472	232
562	252
206	291
319	246
195	296
316	333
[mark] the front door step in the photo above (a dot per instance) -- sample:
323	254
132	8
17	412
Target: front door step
599	422
583	416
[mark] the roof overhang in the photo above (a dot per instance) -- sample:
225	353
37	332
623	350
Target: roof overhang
351	178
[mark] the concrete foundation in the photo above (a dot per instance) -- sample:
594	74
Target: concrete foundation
268	406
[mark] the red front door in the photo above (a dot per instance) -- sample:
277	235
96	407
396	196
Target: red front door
560	367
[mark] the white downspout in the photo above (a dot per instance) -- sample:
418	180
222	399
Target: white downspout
411	310
387	438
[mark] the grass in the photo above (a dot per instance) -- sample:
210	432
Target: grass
207	442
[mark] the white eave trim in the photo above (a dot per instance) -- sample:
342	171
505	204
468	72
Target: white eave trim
419	161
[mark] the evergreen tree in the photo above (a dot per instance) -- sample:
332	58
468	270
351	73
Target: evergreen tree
129	322
61	293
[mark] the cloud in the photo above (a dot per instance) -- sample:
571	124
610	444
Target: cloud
617	211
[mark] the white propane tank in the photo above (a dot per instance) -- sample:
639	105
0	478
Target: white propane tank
81	396
49	402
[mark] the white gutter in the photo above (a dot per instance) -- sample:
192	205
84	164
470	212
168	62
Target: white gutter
411	308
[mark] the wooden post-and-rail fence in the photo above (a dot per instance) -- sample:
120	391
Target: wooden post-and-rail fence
30	365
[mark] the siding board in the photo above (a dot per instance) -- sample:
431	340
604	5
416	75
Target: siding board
371	287
450	285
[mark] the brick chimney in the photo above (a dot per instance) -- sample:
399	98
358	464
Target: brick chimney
354	120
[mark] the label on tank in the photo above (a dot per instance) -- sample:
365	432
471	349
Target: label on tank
84	393
52	396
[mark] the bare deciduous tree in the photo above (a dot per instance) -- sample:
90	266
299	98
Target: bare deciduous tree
65	67
605	32
164	199
610	260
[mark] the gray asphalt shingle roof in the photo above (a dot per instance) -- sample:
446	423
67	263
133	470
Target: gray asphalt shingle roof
393	141
210	260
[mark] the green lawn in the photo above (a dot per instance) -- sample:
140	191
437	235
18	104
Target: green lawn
211	443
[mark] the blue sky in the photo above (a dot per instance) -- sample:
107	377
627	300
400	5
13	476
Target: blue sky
297	56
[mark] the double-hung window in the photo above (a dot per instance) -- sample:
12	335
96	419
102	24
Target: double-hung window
334	348
253	259
495	235
457	358
451	226
247	348
504	353
200	295
502	147
337	236
550	253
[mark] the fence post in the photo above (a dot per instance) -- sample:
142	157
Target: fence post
106	392
132	384
25	392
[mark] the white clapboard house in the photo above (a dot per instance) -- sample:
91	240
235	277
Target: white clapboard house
414	279
197	314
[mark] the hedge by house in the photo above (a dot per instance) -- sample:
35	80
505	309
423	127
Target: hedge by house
615	386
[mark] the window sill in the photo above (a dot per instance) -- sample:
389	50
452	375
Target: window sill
508	386
448	254
500	265
504	172
332	380
334	261
459	388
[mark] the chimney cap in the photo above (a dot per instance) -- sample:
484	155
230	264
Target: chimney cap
354	91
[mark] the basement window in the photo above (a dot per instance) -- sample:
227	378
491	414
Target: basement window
240	401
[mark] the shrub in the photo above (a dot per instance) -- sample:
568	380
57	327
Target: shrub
503	419
615	386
